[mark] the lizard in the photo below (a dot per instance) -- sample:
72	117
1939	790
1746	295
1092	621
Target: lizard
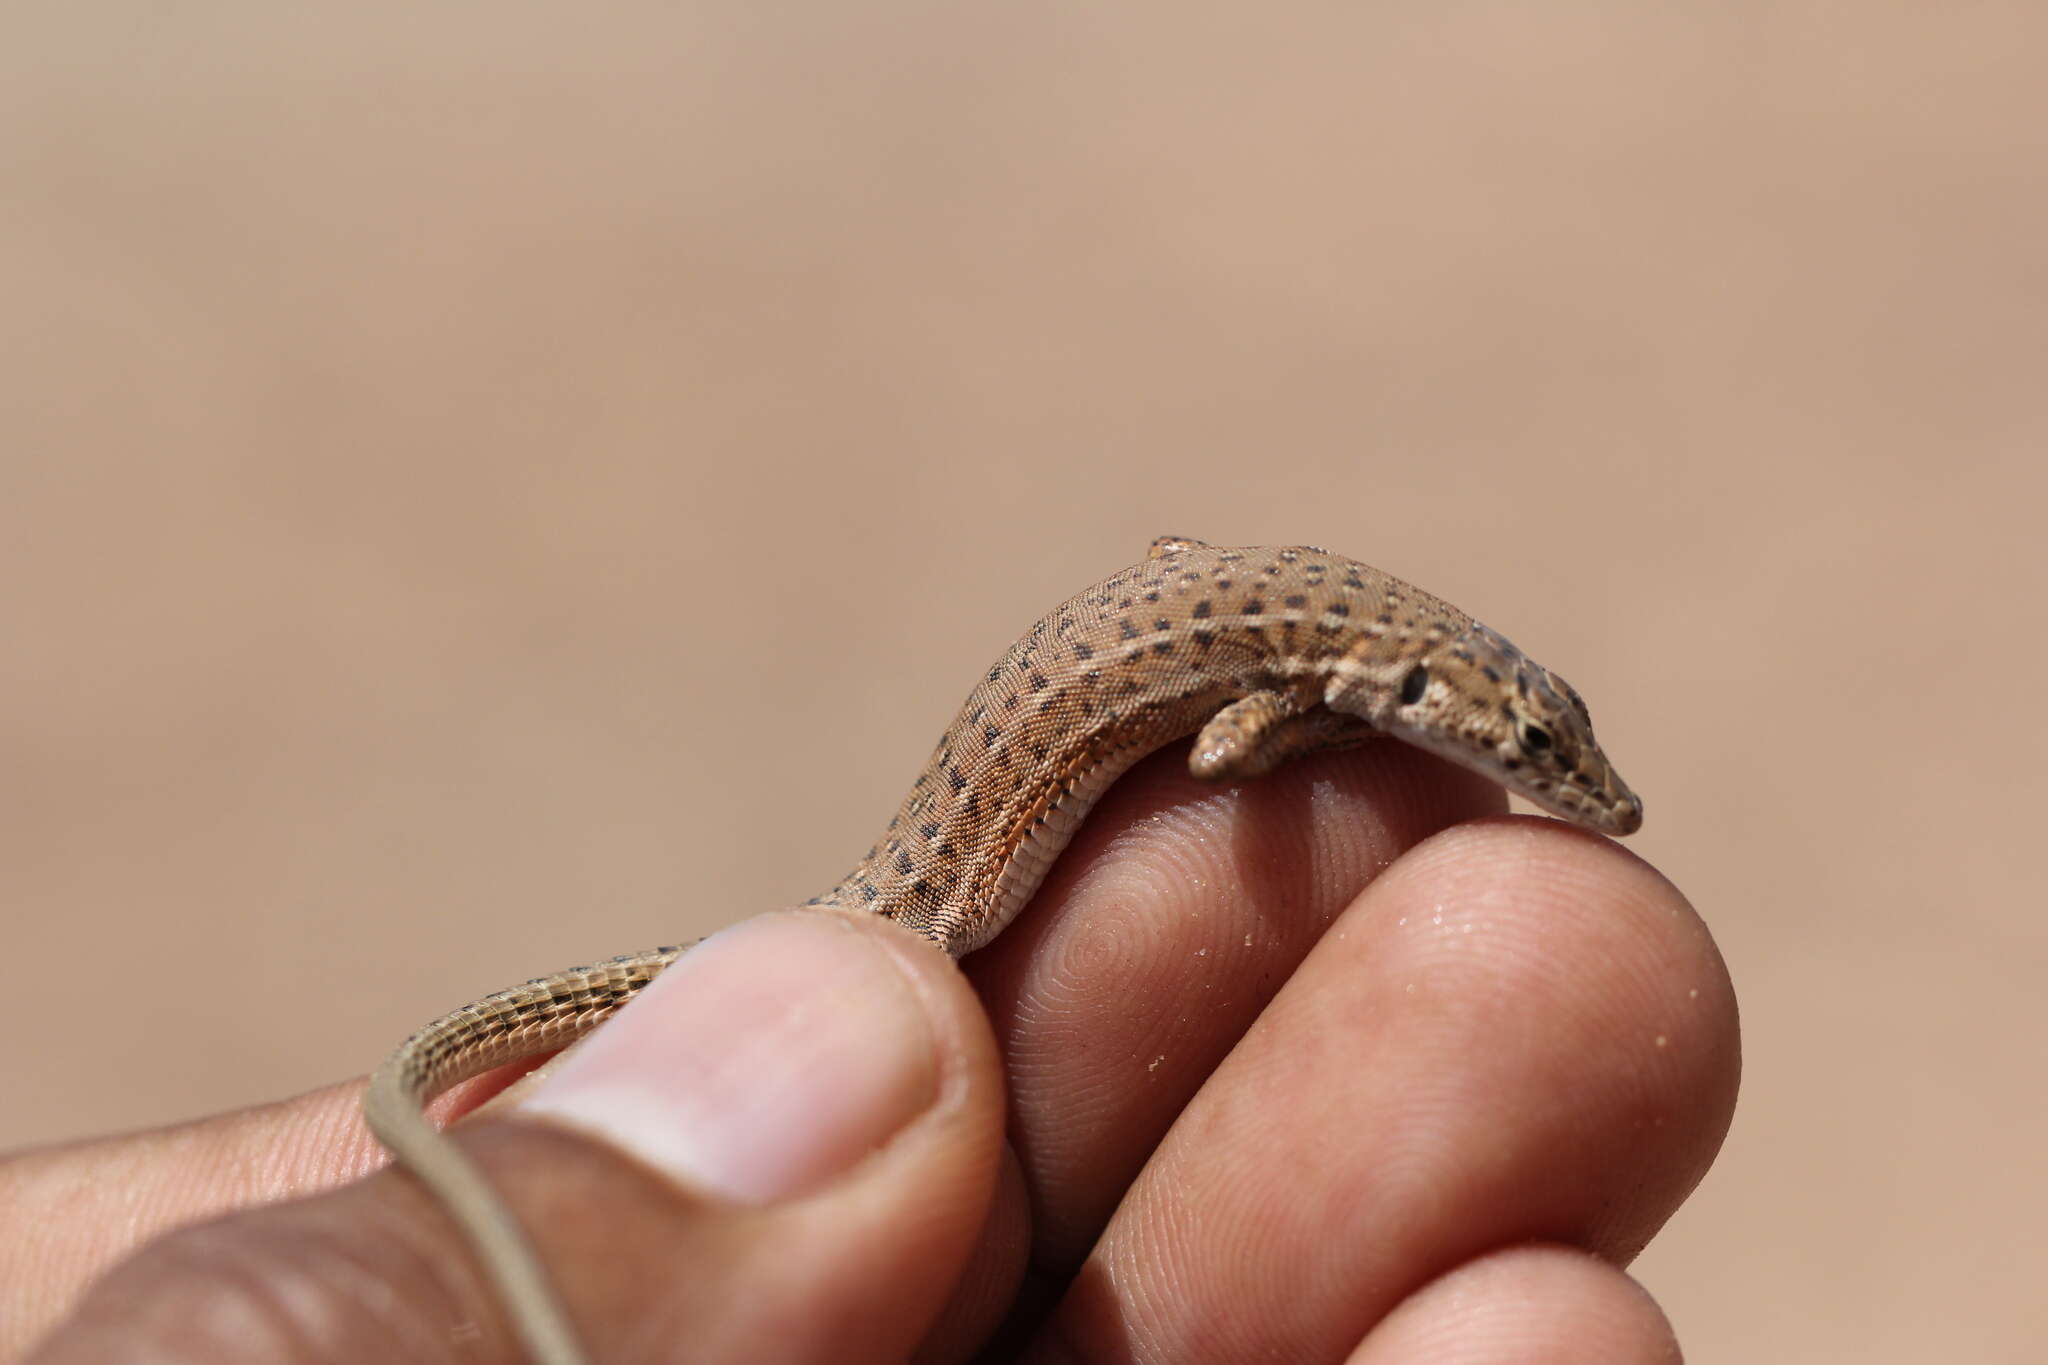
1262	653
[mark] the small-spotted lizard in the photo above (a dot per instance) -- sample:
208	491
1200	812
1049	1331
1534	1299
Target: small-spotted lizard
1263	654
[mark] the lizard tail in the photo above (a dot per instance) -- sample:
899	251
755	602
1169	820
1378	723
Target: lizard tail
540	1016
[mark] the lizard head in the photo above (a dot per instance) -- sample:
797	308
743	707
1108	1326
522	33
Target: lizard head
1476	700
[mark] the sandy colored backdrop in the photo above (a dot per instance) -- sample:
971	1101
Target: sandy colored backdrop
486	488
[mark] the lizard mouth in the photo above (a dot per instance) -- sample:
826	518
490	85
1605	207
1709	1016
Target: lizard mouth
1611	808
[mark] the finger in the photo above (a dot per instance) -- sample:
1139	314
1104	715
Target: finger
1519	1033
1528	1305
783	1151
74	1210
1164	930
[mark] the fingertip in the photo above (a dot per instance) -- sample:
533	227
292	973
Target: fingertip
1571	997
1526	1305
765	1062
1559	924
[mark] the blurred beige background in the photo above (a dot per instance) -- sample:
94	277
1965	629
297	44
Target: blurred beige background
488	486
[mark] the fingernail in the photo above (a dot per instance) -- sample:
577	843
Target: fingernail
769	1059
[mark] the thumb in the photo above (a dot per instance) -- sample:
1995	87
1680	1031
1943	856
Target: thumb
783	1151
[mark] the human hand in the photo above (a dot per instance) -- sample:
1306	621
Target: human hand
1253	1114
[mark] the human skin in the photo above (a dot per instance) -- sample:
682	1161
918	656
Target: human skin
1340	1064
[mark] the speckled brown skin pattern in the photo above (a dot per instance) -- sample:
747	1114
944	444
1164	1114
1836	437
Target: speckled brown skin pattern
1264	654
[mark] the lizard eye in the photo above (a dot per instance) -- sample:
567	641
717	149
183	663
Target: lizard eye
1414	685
1535	738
